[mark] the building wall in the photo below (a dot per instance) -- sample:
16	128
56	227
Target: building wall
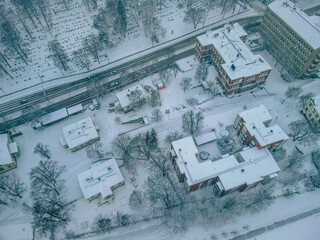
290	49
312	114
7	167
237	85
85	144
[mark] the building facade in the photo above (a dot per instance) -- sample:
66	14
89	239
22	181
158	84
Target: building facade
312	111
237	172
238	68
253	127
292	37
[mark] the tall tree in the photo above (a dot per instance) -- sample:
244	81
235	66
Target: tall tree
153	28
94	46
95	151
136	200
194	16
11	189
192	122
49	209
122	17
81	57
58	54
42	150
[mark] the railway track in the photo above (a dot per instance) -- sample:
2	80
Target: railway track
109	78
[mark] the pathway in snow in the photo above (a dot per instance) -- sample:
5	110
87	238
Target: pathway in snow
275	225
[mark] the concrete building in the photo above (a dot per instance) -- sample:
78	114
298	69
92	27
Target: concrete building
239	69
292	37
240	171
100	181
9	152
312	111
80	134
254	130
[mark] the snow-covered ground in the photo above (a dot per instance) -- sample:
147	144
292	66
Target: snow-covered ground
219	112
71	26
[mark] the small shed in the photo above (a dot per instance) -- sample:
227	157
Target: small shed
205	138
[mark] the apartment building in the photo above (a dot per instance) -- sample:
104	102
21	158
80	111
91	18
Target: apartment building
253	127
292	37
238	68
312	111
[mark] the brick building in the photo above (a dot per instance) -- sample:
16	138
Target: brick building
243	170
238	68
292	37
254	130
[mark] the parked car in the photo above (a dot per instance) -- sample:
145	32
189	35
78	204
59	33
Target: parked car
23	101
111	104
110	110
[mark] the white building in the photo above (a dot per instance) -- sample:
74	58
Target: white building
8	153
130	97
254	130
257	165
79	134
100	180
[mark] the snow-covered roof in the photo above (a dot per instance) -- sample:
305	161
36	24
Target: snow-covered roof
124	96
205	138
316	100
308	28
256	166
186	64
239	60
80	132
13	147
194	170
254	120
54	116
100	178
5	157
74	109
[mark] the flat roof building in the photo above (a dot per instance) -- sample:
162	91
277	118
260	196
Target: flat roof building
9	152
239	69
79	134
100	180
129	98
231	172
254	130
292	37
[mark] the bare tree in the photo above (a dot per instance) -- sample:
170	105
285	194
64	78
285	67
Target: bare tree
293	161
81	57
156	115
136	200
194	16
137	98
165	75
173	136
213	88
101	224
293	92
192	122
154	98
49	208
185	84
95	151
201	72
58	54
94	46
258	199
122	145
209	5
299	129
279	154
11	189
43	150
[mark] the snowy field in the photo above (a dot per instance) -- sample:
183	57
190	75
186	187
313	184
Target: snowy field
71	26
219	113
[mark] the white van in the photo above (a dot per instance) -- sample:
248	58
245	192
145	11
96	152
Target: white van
95	103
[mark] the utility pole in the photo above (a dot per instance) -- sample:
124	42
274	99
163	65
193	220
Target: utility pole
44	93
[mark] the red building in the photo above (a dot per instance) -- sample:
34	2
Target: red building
238	68
254	130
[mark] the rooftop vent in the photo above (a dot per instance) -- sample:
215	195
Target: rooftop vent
261	60
180	149
238	55
233	67
228	29
216	35
242	170
271	131
109	168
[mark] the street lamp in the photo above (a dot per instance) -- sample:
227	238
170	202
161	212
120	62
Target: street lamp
44	93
